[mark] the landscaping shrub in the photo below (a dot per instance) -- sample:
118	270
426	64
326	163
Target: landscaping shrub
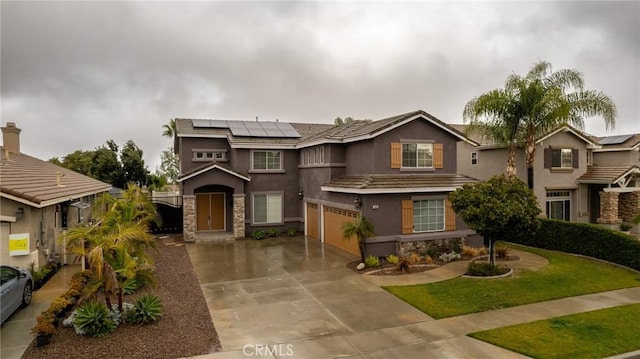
147	309
272	232
258	234
94	319
372	261
292	232
391	259
428	259
470	252
586	239
414	258
449	257
481	269
403	264
502	250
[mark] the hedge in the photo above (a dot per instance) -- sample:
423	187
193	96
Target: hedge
585	239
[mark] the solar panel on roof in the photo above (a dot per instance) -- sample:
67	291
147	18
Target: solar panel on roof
200	123
614	140
209	123
218	124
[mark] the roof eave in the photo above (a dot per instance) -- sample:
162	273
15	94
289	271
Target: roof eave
388	190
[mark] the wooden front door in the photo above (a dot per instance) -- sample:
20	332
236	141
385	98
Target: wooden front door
210	211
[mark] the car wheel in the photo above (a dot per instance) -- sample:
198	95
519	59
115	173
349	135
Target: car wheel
26	294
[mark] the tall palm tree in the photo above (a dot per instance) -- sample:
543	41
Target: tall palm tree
550	99
361	228
495	115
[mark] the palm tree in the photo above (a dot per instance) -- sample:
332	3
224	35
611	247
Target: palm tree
361	228
116	246
549	99
169	129
494	115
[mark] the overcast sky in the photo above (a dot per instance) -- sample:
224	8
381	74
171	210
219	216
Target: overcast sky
75	74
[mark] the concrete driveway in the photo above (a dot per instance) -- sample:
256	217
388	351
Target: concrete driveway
293	297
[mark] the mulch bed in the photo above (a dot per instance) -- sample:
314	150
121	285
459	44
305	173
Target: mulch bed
387	268
185	329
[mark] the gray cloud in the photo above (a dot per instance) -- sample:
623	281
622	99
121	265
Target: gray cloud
75	74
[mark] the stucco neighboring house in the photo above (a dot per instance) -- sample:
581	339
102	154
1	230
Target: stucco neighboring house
245	175
615	178
577	177
38	202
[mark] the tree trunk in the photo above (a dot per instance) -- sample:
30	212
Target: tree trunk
531	154
107	300
361	247
492	253
511	162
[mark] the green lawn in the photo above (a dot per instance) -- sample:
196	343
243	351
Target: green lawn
596	334
565	276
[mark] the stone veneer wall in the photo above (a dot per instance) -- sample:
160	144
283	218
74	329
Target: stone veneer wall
437	246
189	218
609	208
629	205
238	216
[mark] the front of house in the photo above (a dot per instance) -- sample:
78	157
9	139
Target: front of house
241	176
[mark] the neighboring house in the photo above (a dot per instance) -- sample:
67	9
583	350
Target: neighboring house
614	179
573	173
243	175
38	202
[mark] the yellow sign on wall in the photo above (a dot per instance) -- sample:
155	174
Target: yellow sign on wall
19	244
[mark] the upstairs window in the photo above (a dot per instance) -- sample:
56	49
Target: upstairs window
417	155
313	156
474	158
561	158
209	155
266	160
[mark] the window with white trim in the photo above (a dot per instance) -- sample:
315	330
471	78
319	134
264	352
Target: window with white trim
428	215
474	158
562	158
417	155
266	160
559	205
267	208
313	155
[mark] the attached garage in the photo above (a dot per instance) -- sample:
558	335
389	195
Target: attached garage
313	219
333	220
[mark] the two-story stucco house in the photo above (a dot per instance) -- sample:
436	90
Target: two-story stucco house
576	177
245	175
38	202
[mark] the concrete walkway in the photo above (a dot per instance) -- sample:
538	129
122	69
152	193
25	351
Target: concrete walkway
294	298
15	334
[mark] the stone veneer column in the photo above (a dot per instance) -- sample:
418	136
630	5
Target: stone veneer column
189	218
238	216
609	208
629	205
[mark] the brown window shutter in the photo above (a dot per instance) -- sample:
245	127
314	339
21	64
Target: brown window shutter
407	216
574	158
449	217
547	158
438	157
396	154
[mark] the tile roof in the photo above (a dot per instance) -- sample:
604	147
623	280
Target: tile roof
607	174
632	142
315	132
33	181
397	183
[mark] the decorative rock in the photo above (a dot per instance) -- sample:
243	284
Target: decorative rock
360	266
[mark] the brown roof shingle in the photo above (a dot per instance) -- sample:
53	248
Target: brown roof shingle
606	174
36	181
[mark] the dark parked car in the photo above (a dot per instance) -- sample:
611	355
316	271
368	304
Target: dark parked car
16	289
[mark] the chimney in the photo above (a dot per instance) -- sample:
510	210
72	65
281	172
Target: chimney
11	137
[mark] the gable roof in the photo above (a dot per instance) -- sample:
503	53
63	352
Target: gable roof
487	144
372	184
364	130
315	133
38	183
208	167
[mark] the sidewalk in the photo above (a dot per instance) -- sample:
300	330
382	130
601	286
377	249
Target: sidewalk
15	334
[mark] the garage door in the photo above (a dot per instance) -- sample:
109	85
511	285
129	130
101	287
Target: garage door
313	230
333	220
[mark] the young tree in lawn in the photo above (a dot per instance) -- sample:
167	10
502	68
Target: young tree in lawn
496	208
361	228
